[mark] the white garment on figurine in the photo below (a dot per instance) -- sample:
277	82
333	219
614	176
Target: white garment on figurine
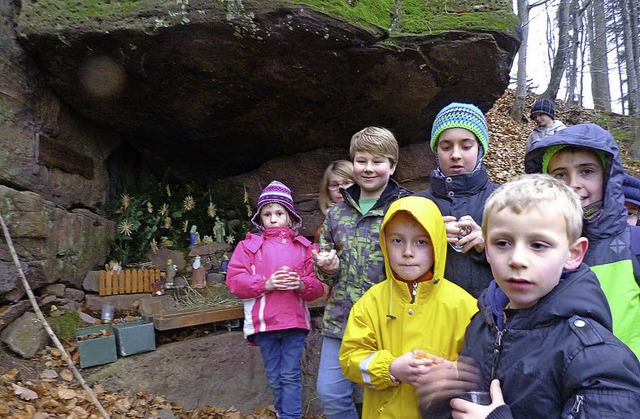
539	133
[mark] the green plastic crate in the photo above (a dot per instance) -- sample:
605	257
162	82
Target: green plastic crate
134	337
98	350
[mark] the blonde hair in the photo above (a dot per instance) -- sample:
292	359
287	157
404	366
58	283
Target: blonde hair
540	191
376	141
342	168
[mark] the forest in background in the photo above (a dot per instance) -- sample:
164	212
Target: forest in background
593	45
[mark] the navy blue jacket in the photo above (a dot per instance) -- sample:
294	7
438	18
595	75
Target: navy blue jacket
558	357
460	195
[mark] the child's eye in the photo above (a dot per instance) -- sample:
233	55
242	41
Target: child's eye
559	175
396	241
501	244
423	242
538	246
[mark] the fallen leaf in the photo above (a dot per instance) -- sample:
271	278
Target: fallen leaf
66	375
24	393
49	375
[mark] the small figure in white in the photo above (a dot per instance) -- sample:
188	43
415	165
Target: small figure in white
198	275
219	231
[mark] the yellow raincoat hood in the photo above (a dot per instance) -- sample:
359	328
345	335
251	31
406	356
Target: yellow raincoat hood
428	215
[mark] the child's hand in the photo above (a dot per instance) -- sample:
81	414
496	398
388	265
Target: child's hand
408	368
443	381
329	264
282	280
462	409
473	238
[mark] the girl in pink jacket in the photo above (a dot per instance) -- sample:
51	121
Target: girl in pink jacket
272	270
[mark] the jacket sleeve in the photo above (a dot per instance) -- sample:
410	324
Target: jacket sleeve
360	359
603	379
242	279
313	288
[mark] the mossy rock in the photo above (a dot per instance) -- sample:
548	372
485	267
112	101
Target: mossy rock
65	326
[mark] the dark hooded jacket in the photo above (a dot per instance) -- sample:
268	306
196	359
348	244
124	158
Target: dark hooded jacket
557	358
609	254
460	195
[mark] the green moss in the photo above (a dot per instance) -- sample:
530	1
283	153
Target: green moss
414	16
65	326
419	16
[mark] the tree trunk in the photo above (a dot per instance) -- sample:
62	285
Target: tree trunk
560	59
617	32
517	110
634	42
598	52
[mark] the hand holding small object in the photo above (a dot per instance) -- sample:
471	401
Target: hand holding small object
408	368
446	380
282	280
328	264
462	409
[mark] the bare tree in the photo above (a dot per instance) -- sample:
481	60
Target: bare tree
599	70
632	54
517	110
562	53
575	59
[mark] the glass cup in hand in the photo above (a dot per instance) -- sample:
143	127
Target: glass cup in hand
323	249
463	232
477	396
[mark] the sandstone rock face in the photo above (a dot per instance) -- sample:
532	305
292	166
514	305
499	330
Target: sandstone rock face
214	88
231	94
51	243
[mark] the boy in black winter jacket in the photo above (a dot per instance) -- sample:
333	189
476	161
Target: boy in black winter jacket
542	340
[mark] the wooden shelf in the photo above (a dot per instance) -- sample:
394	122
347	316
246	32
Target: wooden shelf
162	321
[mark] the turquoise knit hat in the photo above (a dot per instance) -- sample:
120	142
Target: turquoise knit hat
461	115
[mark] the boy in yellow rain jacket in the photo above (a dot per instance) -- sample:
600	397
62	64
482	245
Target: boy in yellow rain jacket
416	310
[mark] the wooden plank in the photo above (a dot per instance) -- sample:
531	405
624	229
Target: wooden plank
120	288
212	315
128	281
102	279
108	289
193	318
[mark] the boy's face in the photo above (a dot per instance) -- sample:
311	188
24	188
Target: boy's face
274	215
582	170
542	120
632	213
528	252
371	173
457	151
409	247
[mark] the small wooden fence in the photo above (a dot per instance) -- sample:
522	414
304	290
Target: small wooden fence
127	281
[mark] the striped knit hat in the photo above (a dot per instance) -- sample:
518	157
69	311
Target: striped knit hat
461	115
279	193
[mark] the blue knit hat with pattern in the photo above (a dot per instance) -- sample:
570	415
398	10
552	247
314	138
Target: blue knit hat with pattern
461	115
543	106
